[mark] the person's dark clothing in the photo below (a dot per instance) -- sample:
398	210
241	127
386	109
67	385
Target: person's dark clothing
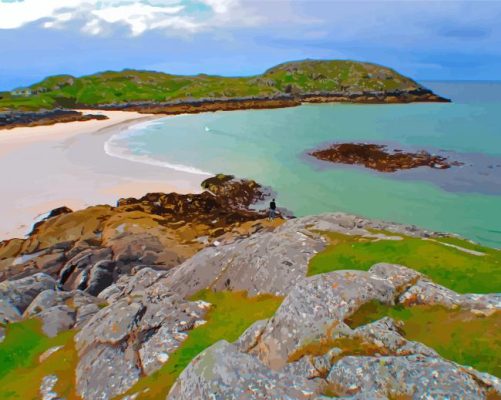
273	205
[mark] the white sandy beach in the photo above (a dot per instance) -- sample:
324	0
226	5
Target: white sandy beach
45	167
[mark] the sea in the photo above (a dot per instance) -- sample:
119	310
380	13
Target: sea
273	146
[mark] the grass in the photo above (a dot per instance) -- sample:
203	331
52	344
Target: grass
457	335
230	315
20	370
448	266
131	85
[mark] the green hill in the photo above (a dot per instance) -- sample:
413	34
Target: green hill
299	78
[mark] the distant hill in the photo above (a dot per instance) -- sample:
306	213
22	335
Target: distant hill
342	80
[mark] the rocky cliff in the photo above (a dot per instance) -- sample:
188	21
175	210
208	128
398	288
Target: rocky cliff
197	297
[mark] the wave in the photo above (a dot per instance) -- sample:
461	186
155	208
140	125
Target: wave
113	149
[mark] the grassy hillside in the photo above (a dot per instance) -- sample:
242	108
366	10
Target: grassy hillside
130	86
454	263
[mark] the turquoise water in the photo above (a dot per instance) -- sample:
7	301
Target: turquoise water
270	146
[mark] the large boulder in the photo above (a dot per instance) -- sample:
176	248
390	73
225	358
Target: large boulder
222	372
8	313
128	284
313	310
413	376
20	293
57	319
131	337
45	300
263	263
430	293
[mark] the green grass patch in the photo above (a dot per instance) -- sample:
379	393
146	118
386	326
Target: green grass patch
448	266
457	335
21	372
230	315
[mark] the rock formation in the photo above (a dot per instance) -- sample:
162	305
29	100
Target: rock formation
379	158
130	317
9	120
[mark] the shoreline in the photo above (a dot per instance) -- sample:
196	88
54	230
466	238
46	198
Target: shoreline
182	107
65	164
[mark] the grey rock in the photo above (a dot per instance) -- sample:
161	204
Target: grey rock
417	376
110	325
139	332
132	285
385	334
430	293
155	350
222	372
57	309
304	368
85	313
8	313
354	225
81	299
314	309
492	383
101	276
70	274
20	293
104	372
249	339
46	299
399	276
2	334
57	319
47	388
264	263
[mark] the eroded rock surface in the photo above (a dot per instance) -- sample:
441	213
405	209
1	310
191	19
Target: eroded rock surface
314	308
20	293
137	332
90	249
222	372
266	263
307	350
415	376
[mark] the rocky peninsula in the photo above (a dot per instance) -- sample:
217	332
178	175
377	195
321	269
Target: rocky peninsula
10	120
174	296
286	85
380	158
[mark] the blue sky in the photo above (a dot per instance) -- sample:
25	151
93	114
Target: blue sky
445	40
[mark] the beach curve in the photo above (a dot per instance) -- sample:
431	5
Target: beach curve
64	164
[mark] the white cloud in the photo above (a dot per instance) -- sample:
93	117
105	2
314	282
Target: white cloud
138	15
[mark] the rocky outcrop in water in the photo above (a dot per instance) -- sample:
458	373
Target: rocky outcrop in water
379	158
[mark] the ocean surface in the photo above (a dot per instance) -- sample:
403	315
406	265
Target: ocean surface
271	146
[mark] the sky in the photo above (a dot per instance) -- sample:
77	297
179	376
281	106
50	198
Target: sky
426	40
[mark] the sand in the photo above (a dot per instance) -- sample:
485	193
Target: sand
45	167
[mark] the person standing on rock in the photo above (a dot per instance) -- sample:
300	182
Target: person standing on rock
273	208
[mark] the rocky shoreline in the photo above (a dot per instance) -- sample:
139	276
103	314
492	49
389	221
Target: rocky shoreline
157	229
277	101
123	284
380	158
11	120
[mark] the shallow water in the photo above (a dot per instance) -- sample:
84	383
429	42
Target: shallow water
271	147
